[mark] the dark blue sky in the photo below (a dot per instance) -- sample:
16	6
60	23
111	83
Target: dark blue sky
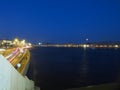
60	21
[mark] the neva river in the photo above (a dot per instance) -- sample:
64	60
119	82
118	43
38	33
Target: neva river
62	68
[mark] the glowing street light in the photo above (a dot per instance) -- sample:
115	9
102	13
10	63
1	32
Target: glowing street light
39	43
23	42
18	65
15	40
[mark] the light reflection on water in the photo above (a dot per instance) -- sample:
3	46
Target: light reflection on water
73	67
84	68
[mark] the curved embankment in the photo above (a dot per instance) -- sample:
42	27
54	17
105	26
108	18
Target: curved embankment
11	79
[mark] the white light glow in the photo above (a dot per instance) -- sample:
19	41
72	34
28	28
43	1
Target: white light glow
39	43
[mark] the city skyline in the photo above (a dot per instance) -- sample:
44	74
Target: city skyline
64	21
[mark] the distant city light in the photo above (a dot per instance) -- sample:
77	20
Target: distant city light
39	43
16	40
23	42
4	41
116	46
87	45
110	46
84	46
29	44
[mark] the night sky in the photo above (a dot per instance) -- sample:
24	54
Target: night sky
60	21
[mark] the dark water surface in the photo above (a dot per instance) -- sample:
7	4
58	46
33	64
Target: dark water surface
61	68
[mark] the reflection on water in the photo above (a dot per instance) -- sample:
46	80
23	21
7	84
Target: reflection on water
58	68
84	68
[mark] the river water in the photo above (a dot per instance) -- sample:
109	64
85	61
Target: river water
62	68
